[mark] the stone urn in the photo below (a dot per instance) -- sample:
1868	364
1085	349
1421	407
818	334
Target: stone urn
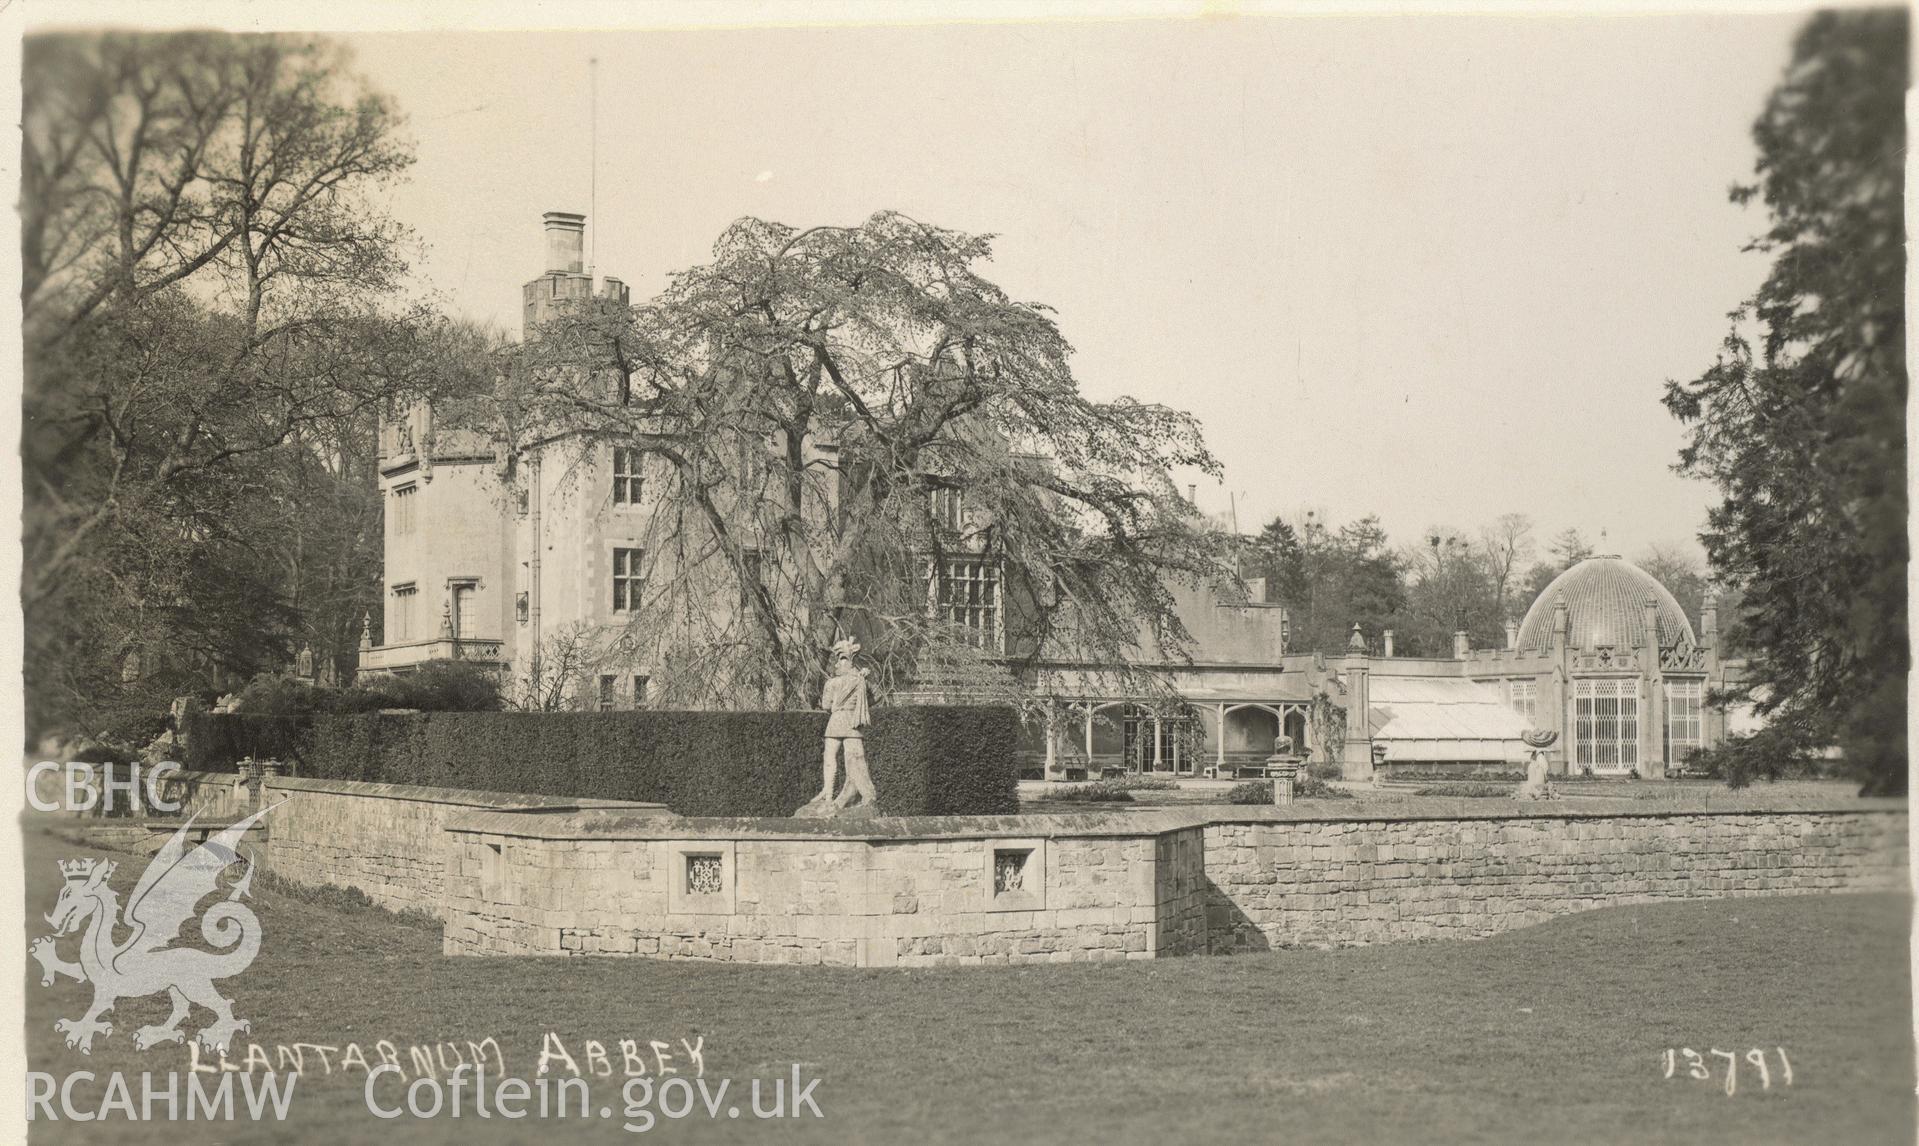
1537	786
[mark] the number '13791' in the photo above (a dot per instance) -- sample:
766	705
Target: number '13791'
1695	1065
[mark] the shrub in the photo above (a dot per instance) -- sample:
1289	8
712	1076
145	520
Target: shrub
1486	776
1142	783
1251	792
272	695
441	686
1326	770
1762	756
101	749
436	687
1098	792
1312	788
1468	791
1304	788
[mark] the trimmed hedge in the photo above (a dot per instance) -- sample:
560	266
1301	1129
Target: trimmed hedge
926	761
942	760
218	741
697	763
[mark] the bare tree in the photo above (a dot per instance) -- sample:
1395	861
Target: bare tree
1506	545
206	293
562	678
1680	571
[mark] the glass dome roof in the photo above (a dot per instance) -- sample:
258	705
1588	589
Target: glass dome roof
1605	599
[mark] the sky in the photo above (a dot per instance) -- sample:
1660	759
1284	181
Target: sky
1431	268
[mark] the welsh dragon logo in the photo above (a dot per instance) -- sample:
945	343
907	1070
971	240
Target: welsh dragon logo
149	960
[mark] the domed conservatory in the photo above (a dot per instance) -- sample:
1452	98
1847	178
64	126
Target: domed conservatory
1608	659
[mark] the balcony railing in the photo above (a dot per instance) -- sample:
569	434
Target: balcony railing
407	654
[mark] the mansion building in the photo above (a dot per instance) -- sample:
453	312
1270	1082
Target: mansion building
488	553
492	553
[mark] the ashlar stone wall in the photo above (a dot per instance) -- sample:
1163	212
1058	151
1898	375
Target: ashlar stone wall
1028	889
523	875
388	840
1348	882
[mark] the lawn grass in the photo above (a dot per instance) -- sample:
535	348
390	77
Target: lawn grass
1551	1034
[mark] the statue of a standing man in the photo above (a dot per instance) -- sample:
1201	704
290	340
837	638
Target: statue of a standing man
845	700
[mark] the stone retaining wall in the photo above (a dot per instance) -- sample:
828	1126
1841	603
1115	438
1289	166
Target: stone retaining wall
894	893
388	840
1328	883
515	874
209	797
1184	891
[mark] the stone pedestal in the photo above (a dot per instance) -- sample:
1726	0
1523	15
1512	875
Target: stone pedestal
1283	770
251	771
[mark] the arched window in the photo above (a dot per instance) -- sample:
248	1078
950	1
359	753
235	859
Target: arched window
1295	727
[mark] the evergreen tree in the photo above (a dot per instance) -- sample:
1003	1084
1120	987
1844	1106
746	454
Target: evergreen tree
1801	420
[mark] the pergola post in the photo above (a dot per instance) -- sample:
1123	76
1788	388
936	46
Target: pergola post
1219	742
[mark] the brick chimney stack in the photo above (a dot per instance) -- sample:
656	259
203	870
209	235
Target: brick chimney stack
564	281
565	243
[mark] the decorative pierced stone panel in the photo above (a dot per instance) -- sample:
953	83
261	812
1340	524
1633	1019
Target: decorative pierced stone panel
1606	660
705	875
1015	875
1009	870
1682	657
701	877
